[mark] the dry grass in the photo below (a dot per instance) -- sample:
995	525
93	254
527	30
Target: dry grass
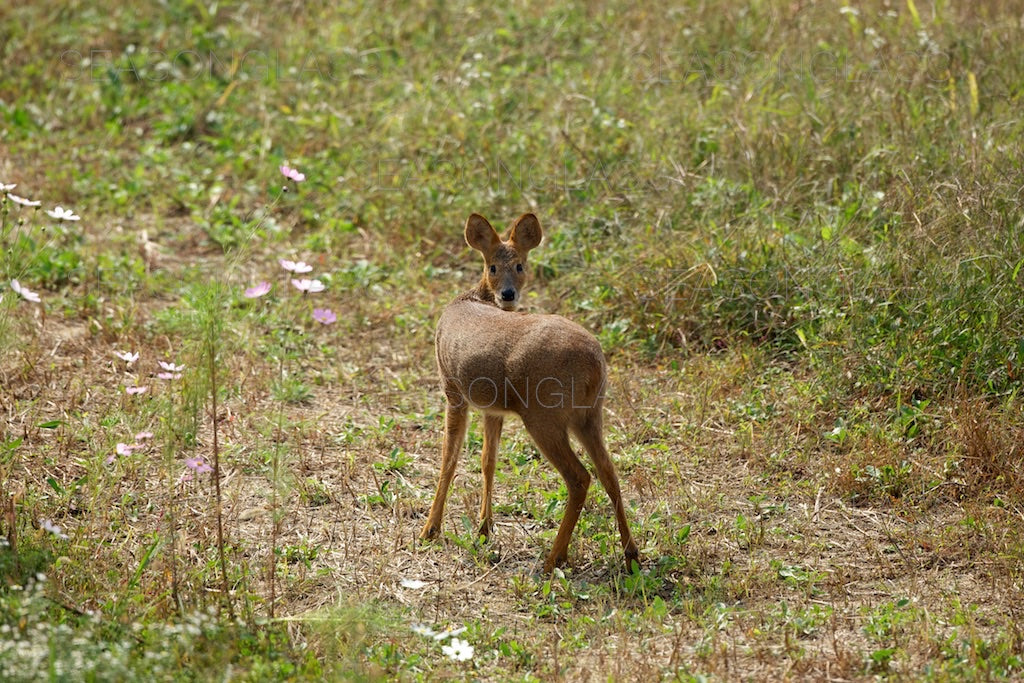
795	230
779	576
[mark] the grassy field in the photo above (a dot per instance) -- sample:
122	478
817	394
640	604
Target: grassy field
796	228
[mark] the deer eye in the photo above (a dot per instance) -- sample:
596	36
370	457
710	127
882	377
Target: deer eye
519	267
494	270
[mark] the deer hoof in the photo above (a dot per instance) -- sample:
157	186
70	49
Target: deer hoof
554	561
632	560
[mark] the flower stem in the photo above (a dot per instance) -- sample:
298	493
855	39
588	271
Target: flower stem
212	358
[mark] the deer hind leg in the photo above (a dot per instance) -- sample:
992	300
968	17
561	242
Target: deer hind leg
553	442
592	440
454	434
488	458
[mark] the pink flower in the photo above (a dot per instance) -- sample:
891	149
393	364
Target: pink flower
143	436
295	266
197	465
324	315
292	174
172	371
131	391
127	356
122	449
62	214
21	200
311	286
25	292
257	291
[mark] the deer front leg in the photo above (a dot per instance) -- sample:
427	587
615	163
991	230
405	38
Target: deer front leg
454	434
488	458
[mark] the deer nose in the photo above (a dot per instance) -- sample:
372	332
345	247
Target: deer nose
508	294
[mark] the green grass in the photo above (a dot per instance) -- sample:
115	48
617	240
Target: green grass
796	230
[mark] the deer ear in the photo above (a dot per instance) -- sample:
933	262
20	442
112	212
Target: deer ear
526	233
480	235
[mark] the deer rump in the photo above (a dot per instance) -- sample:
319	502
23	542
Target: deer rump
509	362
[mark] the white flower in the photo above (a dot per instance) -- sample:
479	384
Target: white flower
4	187
47	525
924	40
62	214
127	356
295	266
428	632
414	584
448	632
877	41
423	630
459	650
311	286
25	292
170	367
21	200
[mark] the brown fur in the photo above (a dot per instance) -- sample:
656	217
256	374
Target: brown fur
544	368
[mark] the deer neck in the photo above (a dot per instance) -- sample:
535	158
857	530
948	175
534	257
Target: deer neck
482	293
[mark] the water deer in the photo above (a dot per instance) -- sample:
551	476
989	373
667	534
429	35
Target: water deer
544	368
